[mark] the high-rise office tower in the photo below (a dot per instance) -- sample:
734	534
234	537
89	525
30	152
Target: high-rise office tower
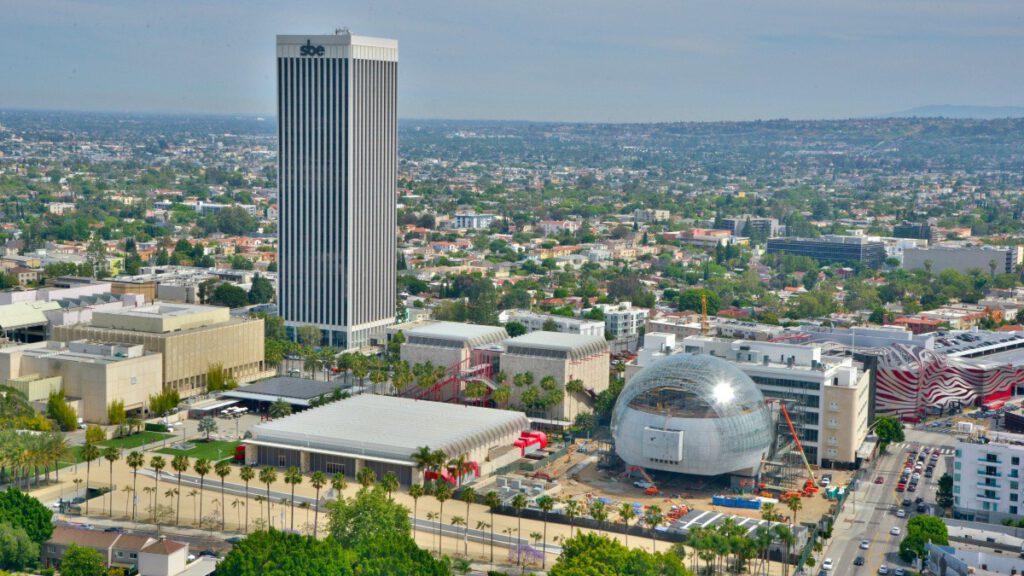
337	119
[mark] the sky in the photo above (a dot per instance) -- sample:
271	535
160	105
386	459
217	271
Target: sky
562	60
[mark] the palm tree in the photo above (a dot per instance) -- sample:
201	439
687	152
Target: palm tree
423	458
89	453
653	517
460	521
179	464
492	500
468	496
202	468
128	491
547	504
292	477
795	505
150	492
573	388
415	492
338	484
246	474
459	463
157	463
366	477
572	510
599	512
317	480
431	516
389	482
222	469
259	499
626	513
482	526
58	450
785	534
236	503
135	461
442	492
111	454
268	476
518	503
768	512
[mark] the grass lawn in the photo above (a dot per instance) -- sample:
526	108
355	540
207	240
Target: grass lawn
136	440
212	450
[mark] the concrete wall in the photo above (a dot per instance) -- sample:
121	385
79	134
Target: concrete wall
593	371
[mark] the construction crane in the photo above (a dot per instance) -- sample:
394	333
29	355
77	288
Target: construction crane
704	314
799	447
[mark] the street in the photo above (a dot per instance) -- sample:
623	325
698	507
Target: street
870	512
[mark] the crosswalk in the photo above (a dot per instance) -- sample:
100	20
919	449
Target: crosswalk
900	446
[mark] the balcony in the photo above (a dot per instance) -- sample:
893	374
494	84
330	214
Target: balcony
983	472
988	486
987	461
992	498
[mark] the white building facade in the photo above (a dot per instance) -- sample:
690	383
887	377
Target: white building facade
987	477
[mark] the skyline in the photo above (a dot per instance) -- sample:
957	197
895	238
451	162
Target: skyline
608	64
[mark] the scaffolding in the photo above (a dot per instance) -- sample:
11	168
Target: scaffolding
786	468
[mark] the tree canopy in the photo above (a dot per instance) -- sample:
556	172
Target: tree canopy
593	555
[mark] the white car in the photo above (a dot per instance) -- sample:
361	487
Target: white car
895	531
901	513
883	570
827	564
898	572
864	544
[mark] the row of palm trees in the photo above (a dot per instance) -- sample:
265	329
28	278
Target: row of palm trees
727	547
27	458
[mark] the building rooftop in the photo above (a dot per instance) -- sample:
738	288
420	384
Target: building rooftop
574	345
467	334
390	428
285	387
160	317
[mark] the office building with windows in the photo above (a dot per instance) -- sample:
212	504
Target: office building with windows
987	483
833	249
337	120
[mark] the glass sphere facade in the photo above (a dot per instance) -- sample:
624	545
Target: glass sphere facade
693	414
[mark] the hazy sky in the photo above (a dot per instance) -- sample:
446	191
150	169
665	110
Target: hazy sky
589	60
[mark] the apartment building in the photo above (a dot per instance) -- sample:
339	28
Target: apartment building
534	321
987	472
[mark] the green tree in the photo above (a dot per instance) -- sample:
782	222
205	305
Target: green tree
229	295
317	480
219	379
515	328
58	410
202	468
691	300
117	416
81	561
920	531
944	494
180	465
222	469
368	516
17	551
888	430
261	291
20	510
207	426
89	453
273	553
293	477
309	335
591	554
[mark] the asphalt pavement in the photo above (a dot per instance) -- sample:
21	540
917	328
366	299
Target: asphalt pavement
870	511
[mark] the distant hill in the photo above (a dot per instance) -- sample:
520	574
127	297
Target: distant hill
956	111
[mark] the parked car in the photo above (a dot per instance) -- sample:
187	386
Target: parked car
880	480
865	544
901	513
858	561
883	570
827	564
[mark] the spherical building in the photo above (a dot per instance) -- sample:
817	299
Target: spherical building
693	415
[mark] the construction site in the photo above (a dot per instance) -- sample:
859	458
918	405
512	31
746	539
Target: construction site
694	436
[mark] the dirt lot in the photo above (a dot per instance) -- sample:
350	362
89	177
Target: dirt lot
675	490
